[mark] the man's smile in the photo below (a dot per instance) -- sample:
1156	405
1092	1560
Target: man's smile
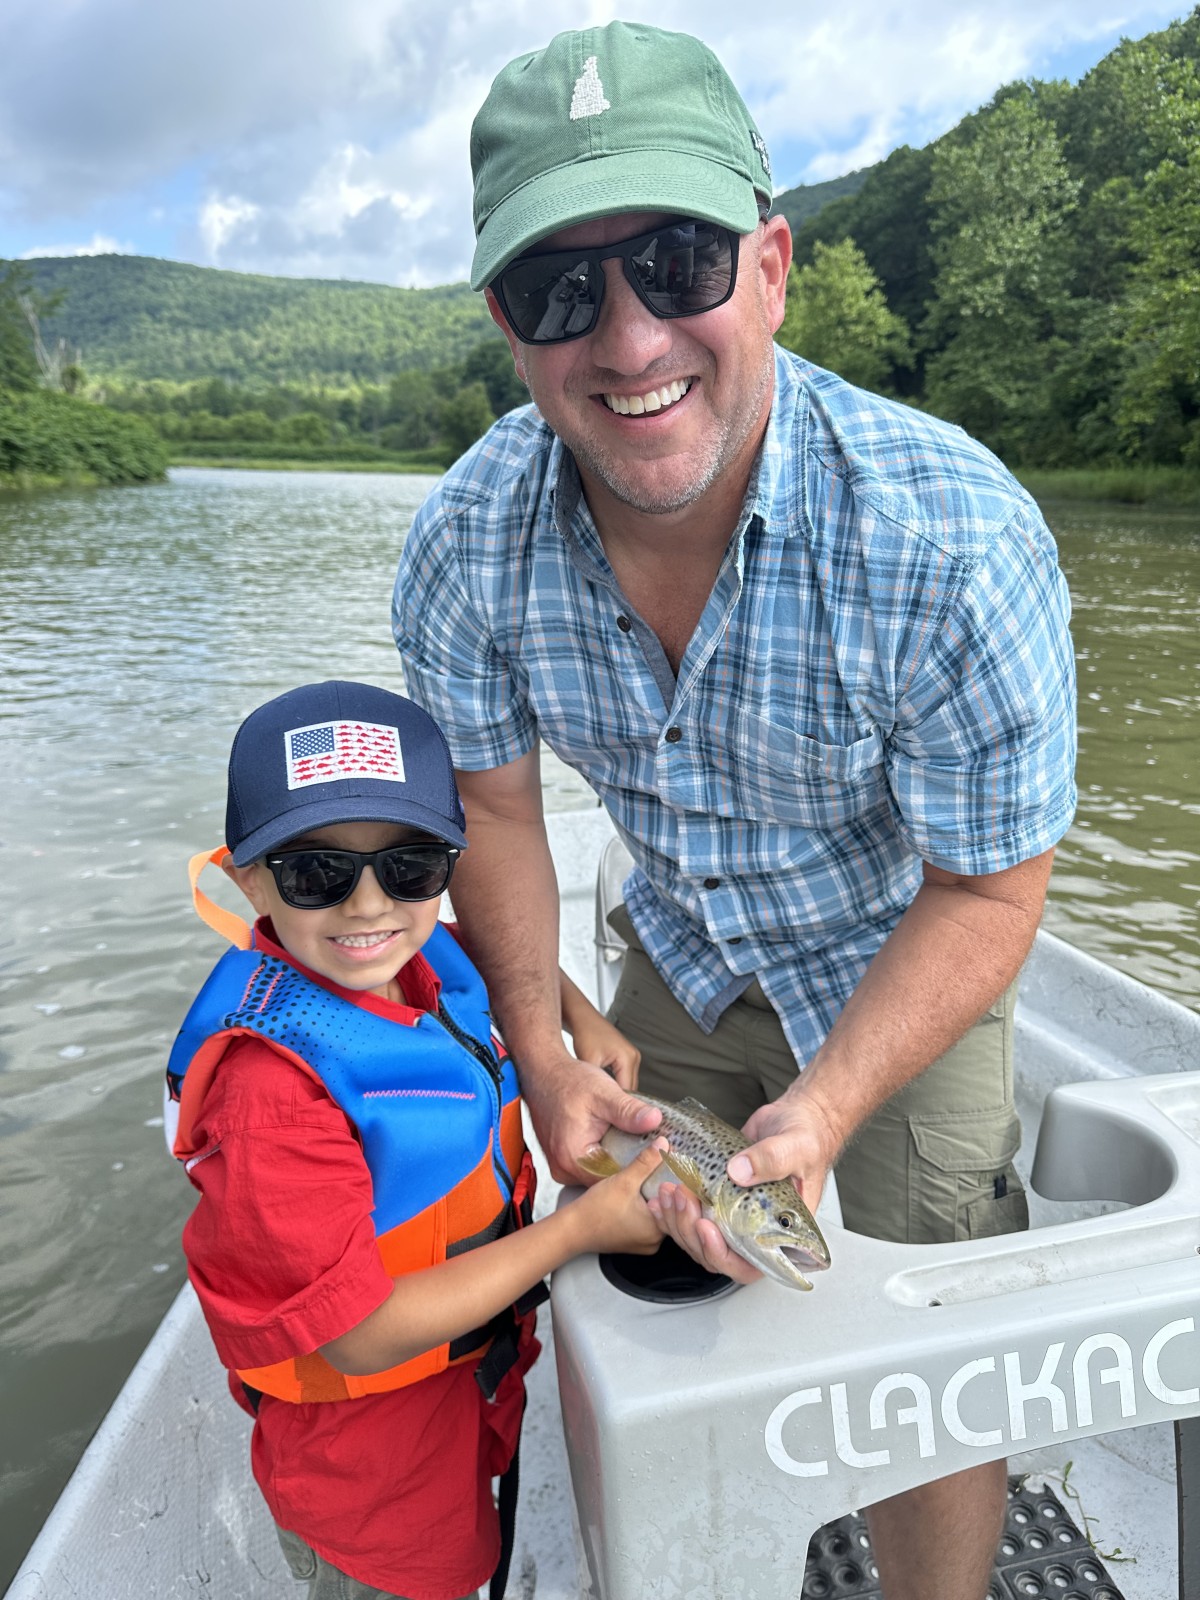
636	405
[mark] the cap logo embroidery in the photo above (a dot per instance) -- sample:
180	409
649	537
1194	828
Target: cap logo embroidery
759	144
326	751
588	100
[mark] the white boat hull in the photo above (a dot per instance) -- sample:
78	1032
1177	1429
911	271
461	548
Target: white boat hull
162	1504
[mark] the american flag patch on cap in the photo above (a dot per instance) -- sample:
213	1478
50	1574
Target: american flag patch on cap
324	752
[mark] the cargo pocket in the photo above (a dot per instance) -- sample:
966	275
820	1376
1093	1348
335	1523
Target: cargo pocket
962	1183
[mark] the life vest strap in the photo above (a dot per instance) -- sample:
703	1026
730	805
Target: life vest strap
227	923
506	1506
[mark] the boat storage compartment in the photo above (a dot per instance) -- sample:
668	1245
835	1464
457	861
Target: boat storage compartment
709	1441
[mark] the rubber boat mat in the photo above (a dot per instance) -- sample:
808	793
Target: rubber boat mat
1041	1554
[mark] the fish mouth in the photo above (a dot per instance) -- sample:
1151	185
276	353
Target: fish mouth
800	1258
804	1260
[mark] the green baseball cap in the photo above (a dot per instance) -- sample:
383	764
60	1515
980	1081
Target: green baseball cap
604	120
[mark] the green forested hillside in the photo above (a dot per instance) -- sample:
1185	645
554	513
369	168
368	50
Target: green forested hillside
806	199
134	317
1034	274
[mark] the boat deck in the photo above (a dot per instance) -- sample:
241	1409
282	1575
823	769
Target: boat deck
163	1506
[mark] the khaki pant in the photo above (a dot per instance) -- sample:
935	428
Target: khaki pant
324	1581
934	1164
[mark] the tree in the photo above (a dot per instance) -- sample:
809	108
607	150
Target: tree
1107	125
491	363
18	366
889	219
255	425
203	425
1158	412
464	419
217	396
57	365
306	428
837	316
412	412
1002	309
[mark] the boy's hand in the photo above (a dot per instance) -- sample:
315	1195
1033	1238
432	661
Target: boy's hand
615	1214
596	1040
677	1212
573	1104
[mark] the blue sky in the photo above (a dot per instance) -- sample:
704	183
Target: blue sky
328	138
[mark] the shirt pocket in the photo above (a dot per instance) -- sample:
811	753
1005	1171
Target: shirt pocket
781	776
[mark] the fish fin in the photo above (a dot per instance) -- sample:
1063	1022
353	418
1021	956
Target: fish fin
690	1103
599	1163
686	1170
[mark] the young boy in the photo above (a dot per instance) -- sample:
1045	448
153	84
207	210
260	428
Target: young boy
362	1248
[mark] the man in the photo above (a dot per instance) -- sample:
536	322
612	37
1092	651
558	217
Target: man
810	647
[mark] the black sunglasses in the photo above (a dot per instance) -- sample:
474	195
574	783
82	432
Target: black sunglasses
314	879
678	270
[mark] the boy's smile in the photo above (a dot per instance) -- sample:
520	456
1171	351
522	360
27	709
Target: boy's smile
362	943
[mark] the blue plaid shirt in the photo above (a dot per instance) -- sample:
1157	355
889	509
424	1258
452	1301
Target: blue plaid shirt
882	675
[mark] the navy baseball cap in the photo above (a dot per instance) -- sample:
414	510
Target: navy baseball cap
337	752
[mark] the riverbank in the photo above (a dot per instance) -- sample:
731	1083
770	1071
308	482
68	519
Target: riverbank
415	464
1167	488
52	441
1170	488
56	441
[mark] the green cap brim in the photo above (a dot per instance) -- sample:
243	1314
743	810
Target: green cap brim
673	181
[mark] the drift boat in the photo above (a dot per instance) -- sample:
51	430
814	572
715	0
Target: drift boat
162	1505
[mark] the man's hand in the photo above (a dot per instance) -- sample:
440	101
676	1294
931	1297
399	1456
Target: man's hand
792	1138
573	1104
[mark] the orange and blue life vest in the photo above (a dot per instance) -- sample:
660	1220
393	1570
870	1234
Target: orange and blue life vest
437	1109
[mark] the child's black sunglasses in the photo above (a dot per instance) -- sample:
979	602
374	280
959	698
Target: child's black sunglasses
678	270
314	879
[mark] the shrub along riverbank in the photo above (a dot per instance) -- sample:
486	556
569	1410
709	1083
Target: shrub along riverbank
1160	488
49	439
1168	488
263	458
337	454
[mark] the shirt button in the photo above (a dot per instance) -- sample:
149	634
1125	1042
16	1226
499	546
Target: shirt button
673	735
712	883
624	624
738	940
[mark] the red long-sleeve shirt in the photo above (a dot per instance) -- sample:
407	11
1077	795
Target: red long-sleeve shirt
395	1488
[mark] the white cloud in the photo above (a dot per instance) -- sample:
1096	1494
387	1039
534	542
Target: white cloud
220	217
302	137
855	84
99	245
349	182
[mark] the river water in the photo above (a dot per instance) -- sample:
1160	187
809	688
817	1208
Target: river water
137	627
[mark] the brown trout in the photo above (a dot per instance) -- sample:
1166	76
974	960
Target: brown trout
768	1223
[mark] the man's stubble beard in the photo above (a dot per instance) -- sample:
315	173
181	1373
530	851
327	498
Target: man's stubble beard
729	438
